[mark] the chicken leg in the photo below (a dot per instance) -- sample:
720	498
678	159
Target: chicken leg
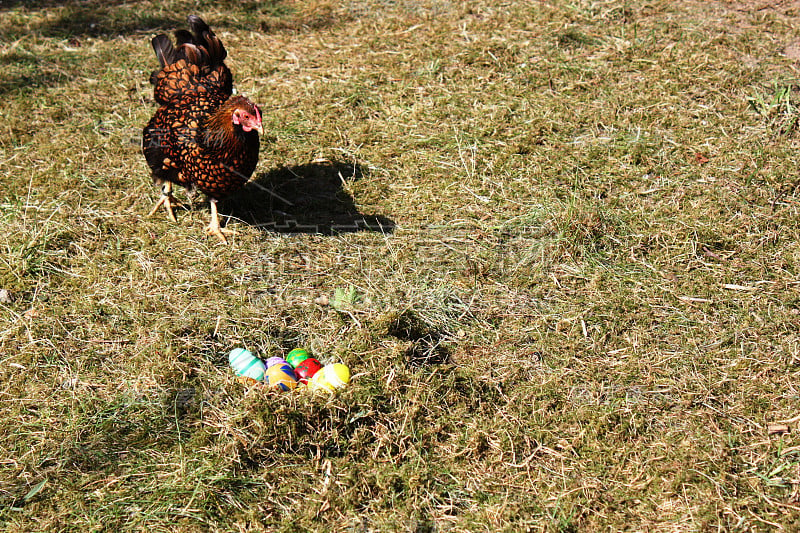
213	227
167	200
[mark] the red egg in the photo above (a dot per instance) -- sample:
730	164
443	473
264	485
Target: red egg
307	369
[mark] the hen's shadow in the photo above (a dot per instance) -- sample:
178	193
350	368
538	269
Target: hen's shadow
306	198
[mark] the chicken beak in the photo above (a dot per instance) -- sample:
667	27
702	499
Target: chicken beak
259	129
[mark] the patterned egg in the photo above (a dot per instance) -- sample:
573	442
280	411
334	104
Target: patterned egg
281	377
330	378
306	370
246	365
297	356
272	361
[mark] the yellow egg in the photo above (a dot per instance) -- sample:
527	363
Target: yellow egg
330	378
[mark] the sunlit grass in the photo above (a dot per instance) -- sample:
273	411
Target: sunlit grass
555	242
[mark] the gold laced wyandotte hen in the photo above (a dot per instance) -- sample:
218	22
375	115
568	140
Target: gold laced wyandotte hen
202	136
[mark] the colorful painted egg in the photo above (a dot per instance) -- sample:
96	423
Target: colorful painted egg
281	377
247	365
272	361
297	356
330	378
306	370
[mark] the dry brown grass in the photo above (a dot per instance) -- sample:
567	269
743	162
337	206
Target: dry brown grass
572	232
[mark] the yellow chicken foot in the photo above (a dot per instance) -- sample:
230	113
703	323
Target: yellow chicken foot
213	227
167	200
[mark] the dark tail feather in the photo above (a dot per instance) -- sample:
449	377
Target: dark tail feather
198	47
197	25
194	54
183	37
164	50
204	36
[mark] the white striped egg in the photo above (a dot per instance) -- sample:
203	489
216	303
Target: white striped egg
244	363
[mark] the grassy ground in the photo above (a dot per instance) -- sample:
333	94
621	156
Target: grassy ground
571	229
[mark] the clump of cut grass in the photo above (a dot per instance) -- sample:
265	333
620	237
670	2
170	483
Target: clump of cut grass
777	108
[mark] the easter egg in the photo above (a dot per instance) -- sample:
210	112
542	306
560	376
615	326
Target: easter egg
297	356
306	370
281	377
246	365
272	361
330	378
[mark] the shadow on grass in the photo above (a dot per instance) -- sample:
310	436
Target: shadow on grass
309	198
429	344
96	18
88	18
27	72
75	21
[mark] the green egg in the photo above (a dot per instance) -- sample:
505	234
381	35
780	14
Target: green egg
297	356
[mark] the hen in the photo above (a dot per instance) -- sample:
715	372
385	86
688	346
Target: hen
202	136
